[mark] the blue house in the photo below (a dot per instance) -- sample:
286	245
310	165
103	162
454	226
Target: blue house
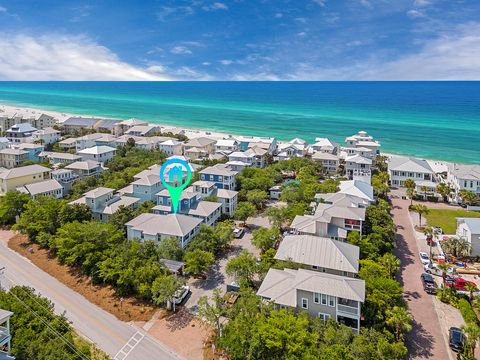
33	150
188	200
222	175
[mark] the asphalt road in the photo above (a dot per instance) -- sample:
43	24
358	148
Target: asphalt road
120	340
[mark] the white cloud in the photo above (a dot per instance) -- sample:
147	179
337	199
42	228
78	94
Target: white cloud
452	56
61	57
215	6
366	3
3	9
303	33
206	63
421	3
278	15
226	62
170	12
320	2
415	13
180	50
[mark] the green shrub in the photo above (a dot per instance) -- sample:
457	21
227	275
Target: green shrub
467	312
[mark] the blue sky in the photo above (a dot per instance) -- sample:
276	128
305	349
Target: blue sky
240	40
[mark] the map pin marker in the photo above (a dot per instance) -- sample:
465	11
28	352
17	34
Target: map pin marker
174	170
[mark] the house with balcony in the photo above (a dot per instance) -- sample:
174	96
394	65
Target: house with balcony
360	166
59	157
68	144
46	136
226	146
146	187
11	179
252	157
320	254
143	130
222	175
10	158
158	227
363	140
105	140
330	162
98	153
5	336
403	168
463	177
50	188
104	203
33	150
325	145
86	168
286	151
227	198
20	133
320	294
66	178
171	147
267	143
330	220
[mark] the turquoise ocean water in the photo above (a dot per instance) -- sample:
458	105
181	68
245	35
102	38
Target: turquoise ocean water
437	120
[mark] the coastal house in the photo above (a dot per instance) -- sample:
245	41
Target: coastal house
363	140
330	162
86	168
87	141
325	145
221	175
10	158
68	144
35	118
4	143
78	124
5	335
252	157
360	166
59	157
104	203
171	147
66	178
20	133
199	147
33	150
469	229
226	146
151	142
46	136
357	188
98	153
50	188
143	130
123	126
11	179
227	198
321	294
268	143
105	140
341	199
320	254
463	177
330	220
288	150
403	168
123	139
158	227
106	125
146	187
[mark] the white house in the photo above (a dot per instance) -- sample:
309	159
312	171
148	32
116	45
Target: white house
20	133
142	130
98	153
227	145
325	145
469	228
357	165
330	162
403	168
362	139
59	157
464	177
171	147
46	136
86	168
87	141
43	188
158	227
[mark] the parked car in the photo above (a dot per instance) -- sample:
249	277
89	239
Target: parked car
456	339
238	232
431	268
181	294
437	230
429	284
458	283
424	258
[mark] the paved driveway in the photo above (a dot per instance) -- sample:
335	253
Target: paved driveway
426	340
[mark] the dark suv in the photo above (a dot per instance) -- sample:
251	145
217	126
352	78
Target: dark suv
456	339
429	284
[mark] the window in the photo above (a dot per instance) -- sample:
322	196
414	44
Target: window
331	301
323	316
324	299
316	298
304	303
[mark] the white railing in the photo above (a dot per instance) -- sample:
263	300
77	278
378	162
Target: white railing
348	309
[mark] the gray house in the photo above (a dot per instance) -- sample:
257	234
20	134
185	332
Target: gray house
320	254
324	295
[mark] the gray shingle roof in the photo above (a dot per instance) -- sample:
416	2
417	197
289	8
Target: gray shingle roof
171	224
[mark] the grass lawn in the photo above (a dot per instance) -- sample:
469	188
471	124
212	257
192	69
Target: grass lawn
445	218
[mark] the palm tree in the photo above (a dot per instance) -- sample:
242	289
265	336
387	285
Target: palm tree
468	197
444	190
391	263
424	190
410	185
420	210
457	246
399	319
444	269
471	288
428	232
472	331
